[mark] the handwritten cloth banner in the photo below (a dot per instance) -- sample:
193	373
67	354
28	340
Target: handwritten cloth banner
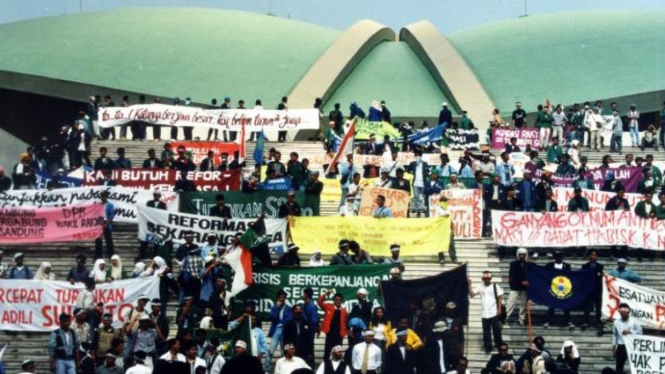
466	209
46	225
125	200
629	177
463	139
647	305
36	305
199	150
246	205
225	119
164	180
646	354
597	199
343	279
425	236
501	137
160	225
396	200
579	229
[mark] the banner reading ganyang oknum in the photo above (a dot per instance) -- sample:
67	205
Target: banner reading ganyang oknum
343	279
36	305
577	229
161	225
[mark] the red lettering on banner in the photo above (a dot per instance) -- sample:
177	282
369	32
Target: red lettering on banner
51	314
660	312
19	317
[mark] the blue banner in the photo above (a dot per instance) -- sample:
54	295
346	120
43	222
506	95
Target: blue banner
560	289
66	182
278	184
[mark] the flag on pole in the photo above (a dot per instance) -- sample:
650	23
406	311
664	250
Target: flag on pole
239	257
258	151
228	339
346	146
242	143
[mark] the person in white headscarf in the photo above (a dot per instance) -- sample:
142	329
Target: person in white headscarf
206	323
115	272
568	361
139	270
317	259
45	272
98	273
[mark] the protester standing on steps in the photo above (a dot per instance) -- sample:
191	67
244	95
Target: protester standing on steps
109	215
491	296
335	321
518	284
625	325
596	300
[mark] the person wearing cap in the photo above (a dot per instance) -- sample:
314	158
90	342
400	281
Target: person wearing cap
445	115
102	338
110	366
335	364
342	257
625	325
131	318
300	334
290	258
19	270
383	180
290	207
534	362
394	257
146	337
491	296
241	362
622	272
518	283
526	192
454	183
400	358
366	356
63	347
436	356
280	314
28	366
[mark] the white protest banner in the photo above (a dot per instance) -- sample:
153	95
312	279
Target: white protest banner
577	229
36	305
646	354
597	199
125	200
225	119
647	305
467	213
163	225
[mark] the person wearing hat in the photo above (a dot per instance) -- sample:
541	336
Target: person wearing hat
534	362
366	356
290	258
110	366
342	257
300	334
445	115
241	362
625	325
383	180
28	366
103	336
454	183
131	318
436	354
558	264
400	358
146	337
19	270
622	272
289	208
63	347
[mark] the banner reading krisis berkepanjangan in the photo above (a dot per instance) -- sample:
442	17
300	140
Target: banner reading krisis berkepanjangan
246	205
161	225
343	279
36	305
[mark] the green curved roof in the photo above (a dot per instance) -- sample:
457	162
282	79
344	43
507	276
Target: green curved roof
567	57
201	53
391	72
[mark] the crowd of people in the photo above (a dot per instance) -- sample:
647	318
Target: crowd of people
197	276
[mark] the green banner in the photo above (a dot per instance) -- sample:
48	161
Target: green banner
247	205
344	279
364	128
228	339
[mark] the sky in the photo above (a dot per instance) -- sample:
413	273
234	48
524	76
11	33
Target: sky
448	16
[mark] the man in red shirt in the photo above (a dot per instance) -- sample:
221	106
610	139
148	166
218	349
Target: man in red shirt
334	322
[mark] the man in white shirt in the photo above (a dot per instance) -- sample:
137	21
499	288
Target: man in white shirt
559	119
594	122
366	356
333	365
290	362
490	308
173	354
625	325
392	166
191	358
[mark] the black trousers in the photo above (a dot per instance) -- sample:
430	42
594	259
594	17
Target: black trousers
156	132
211	131
550	314
491	325
108	238
621	358
332	340
281	136
188	132
174	133
597	301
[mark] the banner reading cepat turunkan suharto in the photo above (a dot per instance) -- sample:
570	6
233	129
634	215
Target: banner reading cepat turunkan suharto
36	305
224	119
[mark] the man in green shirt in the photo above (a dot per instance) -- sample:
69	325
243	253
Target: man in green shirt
465	122
297	172
582	181
660	211
655	170
578	203
554	151
544	124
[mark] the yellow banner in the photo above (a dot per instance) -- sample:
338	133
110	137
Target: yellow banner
423	236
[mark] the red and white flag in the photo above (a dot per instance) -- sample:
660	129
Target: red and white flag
345	147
